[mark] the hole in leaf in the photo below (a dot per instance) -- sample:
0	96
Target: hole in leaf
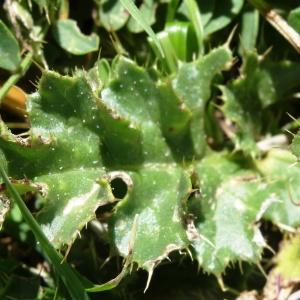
104	212
119	187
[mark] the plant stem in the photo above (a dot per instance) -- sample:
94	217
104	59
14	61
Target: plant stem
14	78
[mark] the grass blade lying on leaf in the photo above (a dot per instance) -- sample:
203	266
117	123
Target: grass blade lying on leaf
67	275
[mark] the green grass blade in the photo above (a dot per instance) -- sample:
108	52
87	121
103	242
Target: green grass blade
135	13
195	17
66	273
171	10
170	59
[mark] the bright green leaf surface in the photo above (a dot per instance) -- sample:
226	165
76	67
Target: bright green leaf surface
193	85
156	125
62	153
112	15
69	37
283	176
78	137
130	118
156	196
73	198
60	118
171	145
226	210
9	49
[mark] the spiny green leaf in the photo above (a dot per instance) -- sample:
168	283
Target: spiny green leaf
59	119
72	200
226	210
9	49
193	86
63	153
69	37
283	177
138	107
136	128
246	99
130	118
156	195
